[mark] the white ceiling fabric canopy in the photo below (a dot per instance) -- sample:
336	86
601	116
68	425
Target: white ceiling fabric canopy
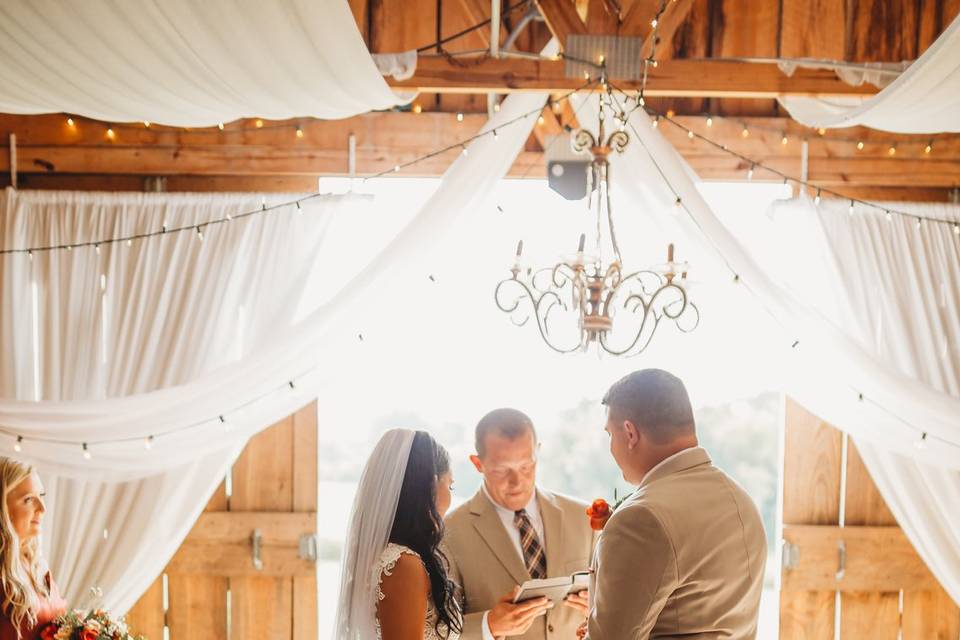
923	99
184	63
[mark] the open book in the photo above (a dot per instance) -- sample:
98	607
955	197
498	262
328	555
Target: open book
556	589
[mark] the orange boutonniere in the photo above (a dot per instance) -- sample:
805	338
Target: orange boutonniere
49	632
599	512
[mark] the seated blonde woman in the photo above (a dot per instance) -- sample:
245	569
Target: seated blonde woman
29	598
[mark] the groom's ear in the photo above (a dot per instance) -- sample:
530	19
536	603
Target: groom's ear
632	433
477	464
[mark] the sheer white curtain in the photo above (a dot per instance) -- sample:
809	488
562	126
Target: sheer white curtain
193	330
923	99
186	63
824	287
896	290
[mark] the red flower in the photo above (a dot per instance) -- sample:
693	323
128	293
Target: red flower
89	634
599	512
49	632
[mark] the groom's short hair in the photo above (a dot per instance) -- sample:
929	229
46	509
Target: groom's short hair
654	400
509	423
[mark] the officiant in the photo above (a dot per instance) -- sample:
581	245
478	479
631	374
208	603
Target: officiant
512	531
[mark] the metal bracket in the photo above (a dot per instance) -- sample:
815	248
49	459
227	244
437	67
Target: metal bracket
308	547
256	541
841	560
790	555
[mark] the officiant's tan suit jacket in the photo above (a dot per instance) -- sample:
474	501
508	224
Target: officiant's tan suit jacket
486	565
683	557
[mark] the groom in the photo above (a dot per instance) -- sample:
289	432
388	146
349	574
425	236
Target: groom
684	555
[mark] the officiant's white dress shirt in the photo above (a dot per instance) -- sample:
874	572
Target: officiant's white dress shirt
507	517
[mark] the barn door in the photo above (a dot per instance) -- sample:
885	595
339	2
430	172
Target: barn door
247	570
848	570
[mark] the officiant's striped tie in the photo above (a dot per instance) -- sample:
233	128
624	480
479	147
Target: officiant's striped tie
533	555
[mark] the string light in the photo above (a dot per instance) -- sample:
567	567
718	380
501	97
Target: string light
671	113
225	424
892	150
464	151
956	229
396	167
690	134
750	172
459	116
495	135
86	452
18	446
540	121
927	149
146	124
889	216
199	233
816	200
96	248
919	222
656	122
850	209
496	107
745	132
784	140
299	132
921	442
822	131
258	124
70	122
709	121
220	126
653	23
147	444
110	133
417	108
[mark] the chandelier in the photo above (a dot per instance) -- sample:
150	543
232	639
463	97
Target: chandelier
591	299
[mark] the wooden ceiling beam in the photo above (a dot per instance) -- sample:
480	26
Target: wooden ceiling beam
690	78
562	19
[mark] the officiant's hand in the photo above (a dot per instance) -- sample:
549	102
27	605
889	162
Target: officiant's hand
579	601
508	619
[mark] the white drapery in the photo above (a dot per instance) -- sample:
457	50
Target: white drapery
185	63
169	340
924	99
829	364
896	290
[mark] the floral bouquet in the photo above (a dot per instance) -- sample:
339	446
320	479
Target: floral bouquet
95	625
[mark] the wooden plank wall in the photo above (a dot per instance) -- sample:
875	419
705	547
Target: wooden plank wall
277	472
820	466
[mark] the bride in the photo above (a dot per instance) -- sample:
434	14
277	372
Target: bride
394	583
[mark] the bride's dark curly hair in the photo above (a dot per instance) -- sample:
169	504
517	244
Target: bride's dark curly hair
418	525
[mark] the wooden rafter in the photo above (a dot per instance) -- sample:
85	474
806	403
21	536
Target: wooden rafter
690	78
562	19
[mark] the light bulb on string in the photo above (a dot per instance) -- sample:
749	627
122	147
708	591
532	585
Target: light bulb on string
641	102
96	248
464	151
956	229
889	216
850	209
70	122
199	234
417	108
496	107
927	149
86	452
671	113
892	151
459	116
540	121
709	121
690	134
822	131
30	255
744	132
396	167
653	23
18	445
750	172
919	222
224	424
220	126
148	443
496	136
860	145
129	242
656	121
784	139
258	124
146	124
816	200
299	208
110	133
921	442
299	131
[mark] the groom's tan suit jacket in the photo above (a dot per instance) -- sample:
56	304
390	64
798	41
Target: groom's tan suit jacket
683	557
486	565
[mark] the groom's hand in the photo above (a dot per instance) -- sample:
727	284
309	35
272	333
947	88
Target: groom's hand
579	601
508	619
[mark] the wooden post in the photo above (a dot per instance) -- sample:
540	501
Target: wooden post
13	160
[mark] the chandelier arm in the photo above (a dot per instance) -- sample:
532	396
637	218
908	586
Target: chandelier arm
631	348
606	193
542	321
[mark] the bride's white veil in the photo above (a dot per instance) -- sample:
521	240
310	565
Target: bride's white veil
371	520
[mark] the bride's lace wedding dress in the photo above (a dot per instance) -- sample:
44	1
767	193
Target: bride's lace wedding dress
388	560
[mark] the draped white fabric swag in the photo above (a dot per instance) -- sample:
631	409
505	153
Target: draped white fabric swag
873	309
194	330
187	63
923	99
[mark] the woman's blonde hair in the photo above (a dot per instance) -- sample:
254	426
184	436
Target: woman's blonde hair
22	579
